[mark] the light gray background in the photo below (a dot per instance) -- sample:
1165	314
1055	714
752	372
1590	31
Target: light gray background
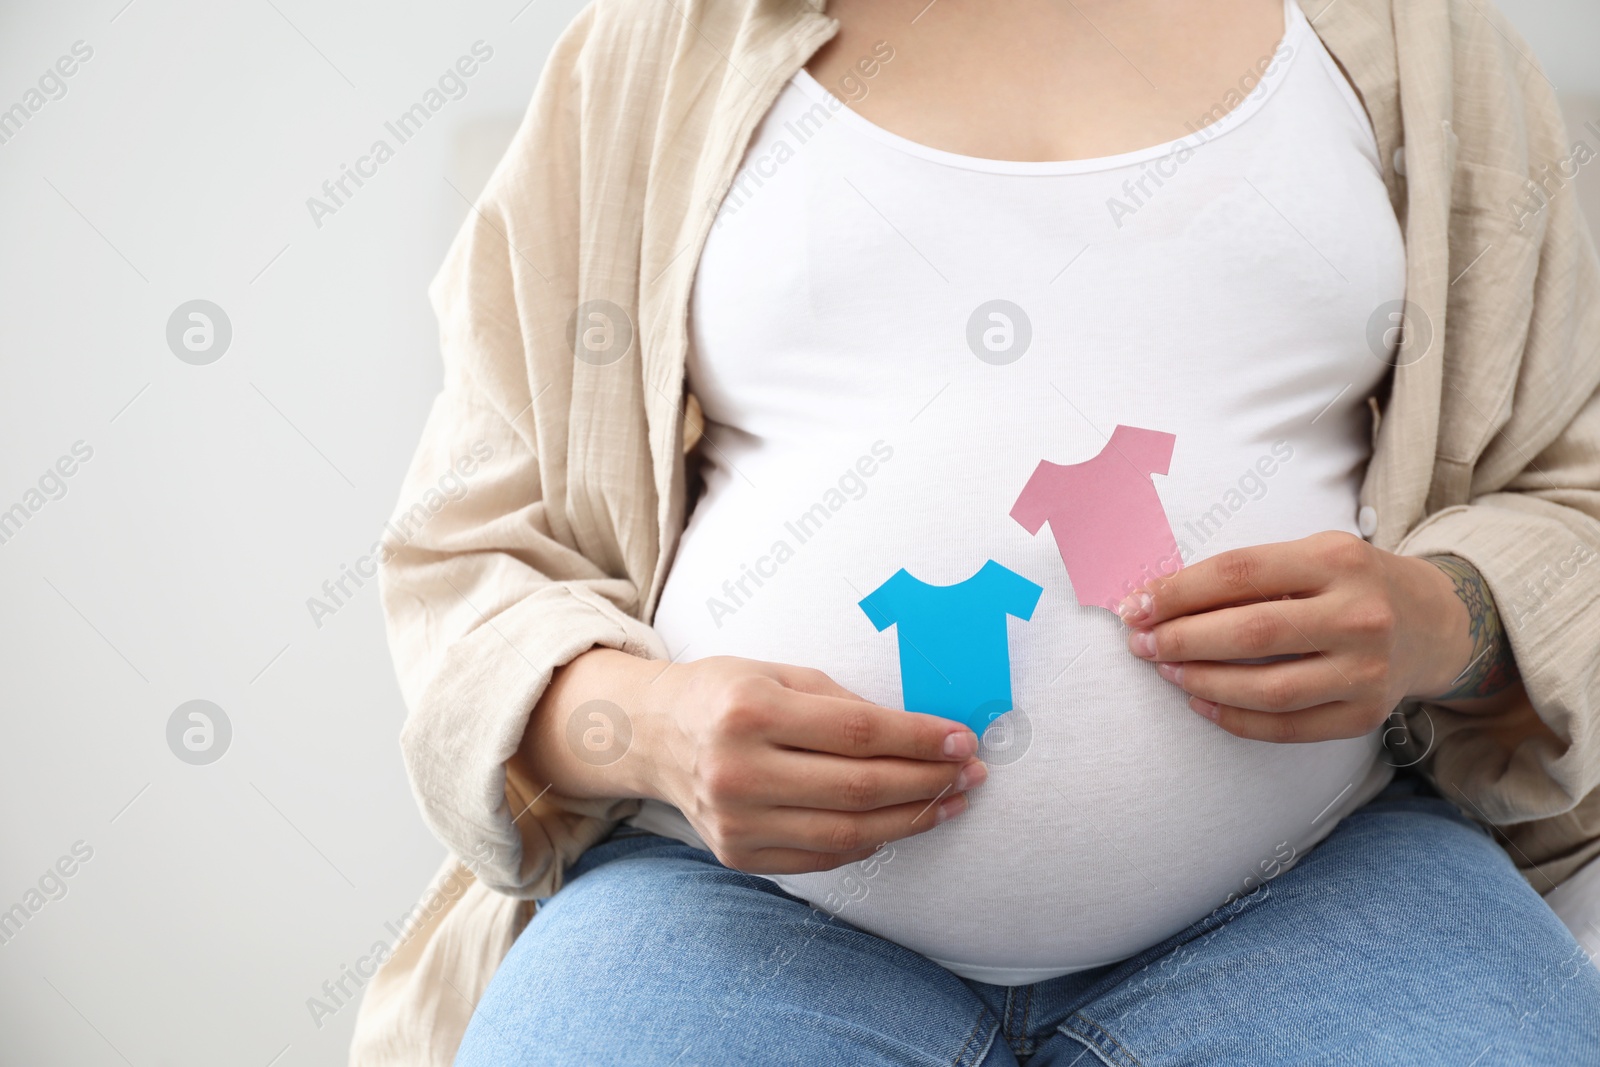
177	567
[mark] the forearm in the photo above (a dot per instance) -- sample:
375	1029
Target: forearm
1469	621
582	736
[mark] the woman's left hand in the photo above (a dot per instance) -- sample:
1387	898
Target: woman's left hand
1369	628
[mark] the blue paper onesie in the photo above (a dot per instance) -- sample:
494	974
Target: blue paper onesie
955	659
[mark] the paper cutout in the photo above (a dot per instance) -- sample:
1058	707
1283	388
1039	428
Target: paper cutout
955	659
1108	522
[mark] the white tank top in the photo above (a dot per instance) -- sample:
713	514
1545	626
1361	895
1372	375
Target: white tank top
1001	377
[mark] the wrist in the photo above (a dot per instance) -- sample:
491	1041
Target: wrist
1440	628
645	694
584	739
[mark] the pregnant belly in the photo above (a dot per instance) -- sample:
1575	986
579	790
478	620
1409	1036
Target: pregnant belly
1104	828
1113	815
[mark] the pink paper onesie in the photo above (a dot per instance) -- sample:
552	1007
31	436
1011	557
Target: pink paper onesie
1107	519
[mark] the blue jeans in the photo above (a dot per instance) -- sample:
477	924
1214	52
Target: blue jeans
1406	937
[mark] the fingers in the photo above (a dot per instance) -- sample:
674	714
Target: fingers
848	727
1325	722
1243	575
789	772
1279	687
1273	628
837	783
837	832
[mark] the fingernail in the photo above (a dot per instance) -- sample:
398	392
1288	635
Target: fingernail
1172	672
1204	707
972	775
1135	608
1143	643
949	809
961	744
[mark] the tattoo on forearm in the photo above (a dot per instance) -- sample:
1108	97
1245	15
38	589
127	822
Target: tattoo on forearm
1492	667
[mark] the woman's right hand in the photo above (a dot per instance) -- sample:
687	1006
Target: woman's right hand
781	770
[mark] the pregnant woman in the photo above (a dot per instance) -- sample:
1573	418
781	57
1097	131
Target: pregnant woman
973	489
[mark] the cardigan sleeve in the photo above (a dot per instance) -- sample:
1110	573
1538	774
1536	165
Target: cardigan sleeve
1531	523
487	587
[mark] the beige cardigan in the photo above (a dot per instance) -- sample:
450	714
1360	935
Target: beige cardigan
1488	445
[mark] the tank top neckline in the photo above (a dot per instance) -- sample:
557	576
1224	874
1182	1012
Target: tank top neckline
1295	27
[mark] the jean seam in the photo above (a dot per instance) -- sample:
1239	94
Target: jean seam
1027	1013
1098	1039
975	1037
1009	1025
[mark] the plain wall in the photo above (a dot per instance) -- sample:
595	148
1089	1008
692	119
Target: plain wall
219	498
179	562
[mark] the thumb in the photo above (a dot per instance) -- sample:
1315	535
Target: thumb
815	682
